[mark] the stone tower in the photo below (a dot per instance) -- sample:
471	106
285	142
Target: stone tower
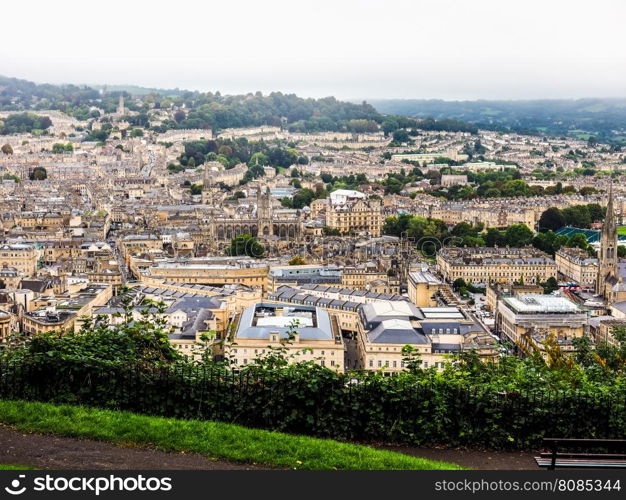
264	212
207	191
607	258
120	106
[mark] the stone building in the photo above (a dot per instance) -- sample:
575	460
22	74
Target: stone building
262	223
21	257
528	320
434	334
422	288
315	335
353	214
609	282
496	265
575	265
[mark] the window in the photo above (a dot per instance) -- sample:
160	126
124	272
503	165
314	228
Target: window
380	363
371	363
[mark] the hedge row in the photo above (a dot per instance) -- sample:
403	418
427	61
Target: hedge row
317	402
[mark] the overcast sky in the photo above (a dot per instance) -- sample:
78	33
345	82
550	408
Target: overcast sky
447	49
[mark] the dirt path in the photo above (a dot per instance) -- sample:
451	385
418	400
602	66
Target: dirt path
474	459
53	452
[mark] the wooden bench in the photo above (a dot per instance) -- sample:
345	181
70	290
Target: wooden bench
566	453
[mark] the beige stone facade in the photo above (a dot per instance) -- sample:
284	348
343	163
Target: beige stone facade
359	216
21	257
434	334
496	265
262	327
422	286
528	320
207	271
574	264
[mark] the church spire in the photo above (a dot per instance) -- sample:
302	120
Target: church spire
610	226
607	257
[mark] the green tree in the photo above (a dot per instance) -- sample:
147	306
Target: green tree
578	240
518	235
258	159
412	358
245	244
59	148
297	260
550	285
400	136
303	198
551	220
389	125
494	237
38	174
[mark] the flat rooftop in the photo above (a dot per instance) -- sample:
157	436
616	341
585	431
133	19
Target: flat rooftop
534	303
263	318
424	277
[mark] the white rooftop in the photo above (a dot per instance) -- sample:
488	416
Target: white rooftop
442	315
284	321
392	308
535	303
342	195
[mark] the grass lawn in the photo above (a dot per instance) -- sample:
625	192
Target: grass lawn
621	230
15	467
212	439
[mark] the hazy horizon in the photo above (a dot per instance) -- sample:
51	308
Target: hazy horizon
349	99
353	50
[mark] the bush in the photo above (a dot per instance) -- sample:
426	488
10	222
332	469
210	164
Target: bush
509	404
417	408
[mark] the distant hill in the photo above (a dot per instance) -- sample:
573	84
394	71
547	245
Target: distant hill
196	109
603	118
136	90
